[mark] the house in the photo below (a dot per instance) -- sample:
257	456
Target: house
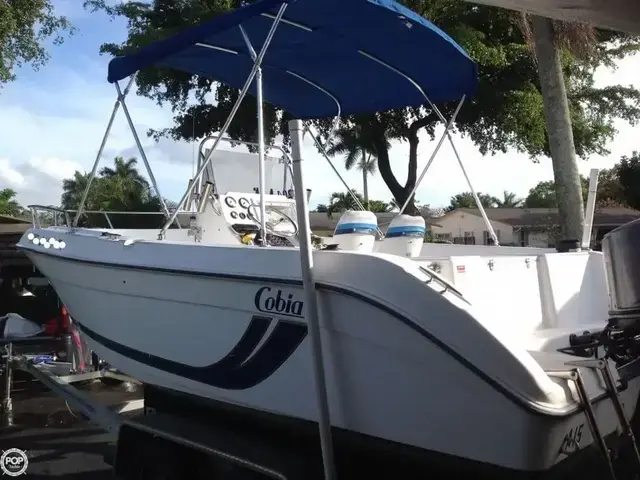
323	225
532	227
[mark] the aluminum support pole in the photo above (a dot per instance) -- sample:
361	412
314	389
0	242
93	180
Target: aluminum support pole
442	119
260	118
311	300
116	106
433	156
142	154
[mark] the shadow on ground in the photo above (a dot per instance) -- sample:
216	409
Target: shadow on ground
61	443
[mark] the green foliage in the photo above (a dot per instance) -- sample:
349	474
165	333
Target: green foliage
628	175
543	195
617	186
378	206
357	148
509	200
24	27
8	204
506	113
343	201
466	200
121	188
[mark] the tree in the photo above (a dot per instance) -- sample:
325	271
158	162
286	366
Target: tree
466	200
343	201
506	113
543	195
548	39
25	26
121	189
359	150
125	170
627	172
430	212
322	208
8	204
378	206
617	186
509	200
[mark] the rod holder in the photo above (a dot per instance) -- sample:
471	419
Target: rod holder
204	198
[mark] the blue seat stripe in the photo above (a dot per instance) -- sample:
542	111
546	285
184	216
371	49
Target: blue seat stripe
406	231
356	228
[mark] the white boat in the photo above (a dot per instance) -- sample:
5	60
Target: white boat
485	365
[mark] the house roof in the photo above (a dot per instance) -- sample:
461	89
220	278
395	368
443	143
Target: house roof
532	217
7	219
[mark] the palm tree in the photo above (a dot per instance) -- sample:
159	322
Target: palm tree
128	186
509	200
125	169
548	38
342	201
73	189
360	152
378	206
121	188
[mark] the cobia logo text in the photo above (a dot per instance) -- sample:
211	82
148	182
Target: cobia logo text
269	301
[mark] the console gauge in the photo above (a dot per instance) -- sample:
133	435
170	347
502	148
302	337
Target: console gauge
230	201
244	203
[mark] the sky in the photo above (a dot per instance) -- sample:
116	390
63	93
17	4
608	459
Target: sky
52	122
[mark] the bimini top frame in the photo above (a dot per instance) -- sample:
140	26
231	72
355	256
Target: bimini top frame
329	57
320	43
320	64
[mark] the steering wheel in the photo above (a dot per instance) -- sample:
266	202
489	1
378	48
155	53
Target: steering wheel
276	222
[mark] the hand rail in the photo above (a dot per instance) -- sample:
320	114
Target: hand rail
67	214
35	218
448	286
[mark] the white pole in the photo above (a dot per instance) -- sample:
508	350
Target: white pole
591	208
311	301
261	179
433	155
116	106
262	183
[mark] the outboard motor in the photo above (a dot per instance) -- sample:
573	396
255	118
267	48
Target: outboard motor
405	236
621	249
356	230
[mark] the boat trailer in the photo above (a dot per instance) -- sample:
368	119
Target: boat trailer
144	436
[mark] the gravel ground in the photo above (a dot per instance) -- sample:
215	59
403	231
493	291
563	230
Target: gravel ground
61	443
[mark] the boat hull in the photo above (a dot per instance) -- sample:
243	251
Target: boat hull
243	341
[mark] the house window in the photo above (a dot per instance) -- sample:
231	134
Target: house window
469	238
487	237
443	236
